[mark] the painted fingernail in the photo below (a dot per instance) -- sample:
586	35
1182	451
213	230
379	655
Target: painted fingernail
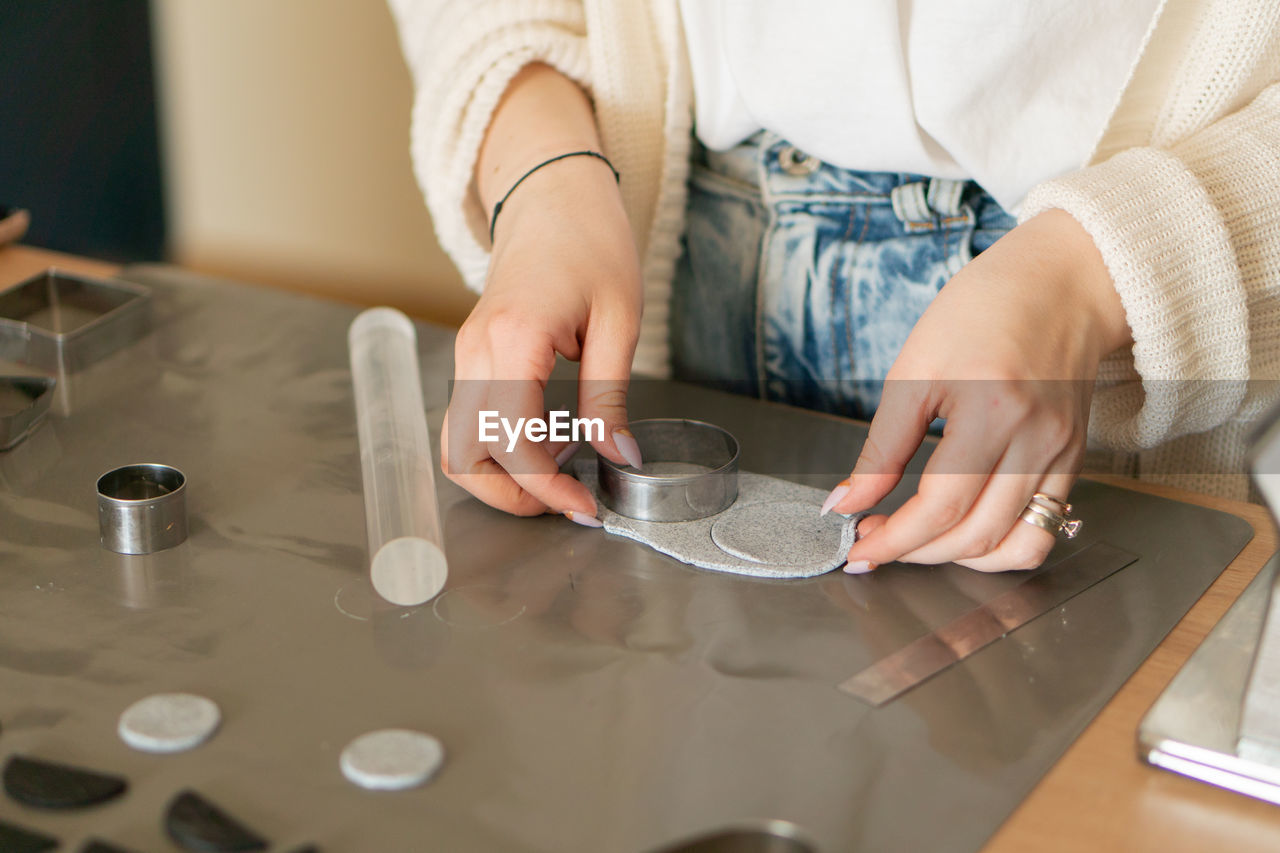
626	444
583	519
567	452
859	567
837	495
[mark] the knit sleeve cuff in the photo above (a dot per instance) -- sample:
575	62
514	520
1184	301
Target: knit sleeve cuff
461	67
1169	251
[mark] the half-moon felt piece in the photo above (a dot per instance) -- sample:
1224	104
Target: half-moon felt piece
197	824
48	785
15	839
94	845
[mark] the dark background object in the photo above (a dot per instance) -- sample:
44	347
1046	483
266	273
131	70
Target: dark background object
78	140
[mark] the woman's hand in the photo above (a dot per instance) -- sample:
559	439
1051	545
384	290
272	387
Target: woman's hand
1007	354
564	278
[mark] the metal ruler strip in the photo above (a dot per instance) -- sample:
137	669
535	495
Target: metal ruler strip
924	658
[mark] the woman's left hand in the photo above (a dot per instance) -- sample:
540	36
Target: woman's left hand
1007	354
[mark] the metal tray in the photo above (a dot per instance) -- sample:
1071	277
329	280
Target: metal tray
591	694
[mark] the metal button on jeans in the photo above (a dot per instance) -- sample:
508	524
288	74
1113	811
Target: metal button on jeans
796	162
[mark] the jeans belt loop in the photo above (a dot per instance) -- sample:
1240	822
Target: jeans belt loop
910	205
944	196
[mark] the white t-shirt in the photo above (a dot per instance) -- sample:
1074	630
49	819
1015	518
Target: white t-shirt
1007	93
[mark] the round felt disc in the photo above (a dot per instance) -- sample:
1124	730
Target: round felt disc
169	722
391	759
779	533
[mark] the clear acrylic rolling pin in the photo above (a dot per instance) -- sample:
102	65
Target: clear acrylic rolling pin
406	550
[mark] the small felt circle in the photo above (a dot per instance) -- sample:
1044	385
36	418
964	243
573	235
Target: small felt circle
391	759
778	533
169	722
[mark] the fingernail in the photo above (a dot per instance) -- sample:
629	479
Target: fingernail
837	495
859	567
626	444
583	519
567	452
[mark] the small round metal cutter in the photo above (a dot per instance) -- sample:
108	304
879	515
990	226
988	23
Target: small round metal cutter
142	508
690	471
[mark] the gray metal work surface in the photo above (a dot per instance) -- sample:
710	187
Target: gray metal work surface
591	694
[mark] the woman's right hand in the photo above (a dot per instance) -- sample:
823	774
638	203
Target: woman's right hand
564	278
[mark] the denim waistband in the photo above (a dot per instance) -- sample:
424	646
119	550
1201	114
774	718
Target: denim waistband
768	166
803	280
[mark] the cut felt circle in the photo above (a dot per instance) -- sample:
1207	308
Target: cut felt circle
391	759
169	722
779	533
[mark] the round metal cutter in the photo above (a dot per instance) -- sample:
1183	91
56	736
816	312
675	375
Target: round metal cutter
142	508
690	472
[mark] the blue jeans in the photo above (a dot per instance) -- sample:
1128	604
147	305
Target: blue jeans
800	281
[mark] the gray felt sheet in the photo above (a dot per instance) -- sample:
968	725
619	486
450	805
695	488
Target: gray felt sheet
773	530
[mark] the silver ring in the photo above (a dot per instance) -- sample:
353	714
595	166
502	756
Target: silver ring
1046	519
1051	502
690	472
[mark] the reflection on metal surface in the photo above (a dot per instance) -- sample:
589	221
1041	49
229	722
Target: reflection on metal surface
24	401
24	465
409	638
476	607
955	641
405	637
149	580
355	601
774	836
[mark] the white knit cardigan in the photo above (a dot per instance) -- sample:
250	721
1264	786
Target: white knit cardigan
1181	195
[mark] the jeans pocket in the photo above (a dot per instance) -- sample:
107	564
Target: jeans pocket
841	288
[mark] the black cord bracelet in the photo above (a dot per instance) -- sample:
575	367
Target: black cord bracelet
497	208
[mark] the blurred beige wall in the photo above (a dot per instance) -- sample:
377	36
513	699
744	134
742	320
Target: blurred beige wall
286	133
